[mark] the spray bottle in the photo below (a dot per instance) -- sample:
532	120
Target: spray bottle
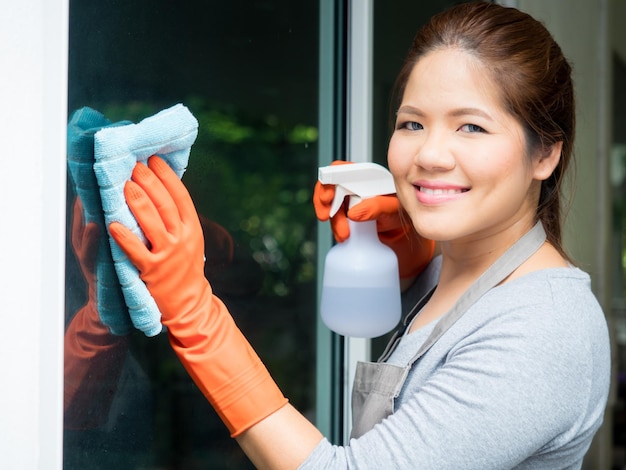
361	286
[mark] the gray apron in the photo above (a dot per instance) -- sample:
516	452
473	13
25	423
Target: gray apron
378	384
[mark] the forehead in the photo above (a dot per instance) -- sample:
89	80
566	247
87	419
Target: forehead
452	76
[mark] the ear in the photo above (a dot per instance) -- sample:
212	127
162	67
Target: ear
544	166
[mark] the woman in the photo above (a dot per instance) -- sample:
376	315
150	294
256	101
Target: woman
505	363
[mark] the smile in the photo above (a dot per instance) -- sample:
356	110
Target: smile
439	192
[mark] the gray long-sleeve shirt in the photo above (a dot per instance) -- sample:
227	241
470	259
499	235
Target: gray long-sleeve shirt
519	382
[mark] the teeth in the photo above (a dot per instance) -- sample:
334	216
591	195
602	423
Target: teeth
440	191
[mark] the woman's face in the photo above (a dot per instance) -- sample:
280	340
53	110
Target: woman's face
458	158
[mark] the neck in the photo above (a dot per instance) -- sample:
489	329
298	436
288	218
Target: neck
466	259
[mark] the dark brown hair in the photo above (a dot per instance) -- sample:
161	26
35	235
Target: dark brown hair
532	75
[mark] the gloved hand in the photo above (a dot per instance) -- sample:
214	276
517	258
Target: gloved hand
92	355
392	223
201	330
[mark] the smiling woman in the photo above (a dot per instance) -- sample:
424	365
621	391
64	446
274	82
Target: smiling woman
482	140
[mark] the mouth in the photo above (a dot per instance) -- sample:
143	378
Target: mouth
441	191
430	194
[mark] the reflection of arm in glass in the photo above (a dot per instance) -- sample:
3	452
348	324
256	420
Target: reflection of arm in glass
93	356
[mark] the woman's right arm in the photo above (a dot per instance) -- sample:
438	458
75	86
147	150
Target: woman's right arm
283	440
202	332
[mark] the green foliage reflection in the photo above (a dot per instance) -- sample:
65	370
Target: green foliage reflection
254	175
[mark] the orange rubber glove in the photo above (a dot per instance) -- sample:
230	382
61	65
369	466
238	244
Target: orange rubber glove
93	357
392	223
201	330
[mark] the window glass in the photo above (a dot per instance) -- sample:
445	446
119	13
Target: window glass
618	180
248	71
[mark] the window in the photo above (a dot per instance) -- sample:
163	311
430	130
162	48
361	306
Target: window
618	168
248	71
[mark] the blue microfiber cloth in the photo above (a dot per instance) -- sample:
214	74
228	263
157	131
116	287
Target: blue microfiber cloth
83	125
168	134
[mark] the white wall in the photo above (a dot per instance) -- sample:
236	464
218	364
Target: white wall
33	54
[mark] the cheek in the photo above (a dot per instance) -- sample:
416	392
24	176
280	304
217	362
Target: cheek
495	164
405	192
399	166
514	169
397	158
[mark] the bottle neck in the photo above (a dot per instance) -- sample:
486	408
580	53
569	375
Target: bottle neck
363	231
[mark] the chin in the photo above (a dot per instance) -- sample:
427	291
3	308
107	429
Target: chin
433	223
436	232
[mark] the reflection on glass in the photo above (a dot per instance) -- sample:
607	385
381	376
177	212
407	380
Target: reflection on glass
618	180
248	73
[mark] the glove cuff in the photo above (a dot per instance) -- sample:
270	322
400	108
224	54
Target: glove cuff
248	399
225	367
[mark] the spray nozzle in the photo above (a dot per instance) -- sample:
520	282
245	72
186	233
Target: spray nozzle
358	180
361	286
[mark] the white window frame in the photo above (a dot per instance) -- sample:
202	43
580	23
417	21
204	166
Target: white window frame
32	202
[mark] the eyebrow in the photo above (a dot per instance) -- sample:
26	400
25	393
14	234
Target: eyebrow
455	112
471	112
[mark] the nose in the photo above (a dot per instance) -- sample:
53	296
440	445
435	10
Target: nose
435	153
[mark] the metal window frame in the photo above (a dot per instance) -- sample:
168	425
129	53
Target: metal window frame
359	149
346	77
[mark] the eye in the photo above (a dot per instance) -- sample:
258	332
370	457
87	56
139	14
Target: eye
471	128
411	126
